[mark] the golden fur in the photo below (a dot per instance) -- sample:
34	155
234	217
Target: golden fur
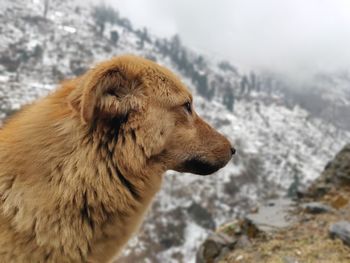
79	168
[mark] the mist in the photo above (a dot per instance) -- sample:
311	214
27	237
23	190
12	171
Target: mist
294	36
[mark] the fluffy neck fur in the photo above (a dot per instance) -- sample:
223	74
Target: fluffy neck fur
93	189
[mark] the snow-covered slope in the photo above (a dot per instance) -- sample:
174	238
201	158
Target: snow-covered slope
275	143
324	95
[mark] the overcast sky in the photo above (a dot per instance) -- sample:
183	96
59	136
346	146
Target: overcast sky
281	35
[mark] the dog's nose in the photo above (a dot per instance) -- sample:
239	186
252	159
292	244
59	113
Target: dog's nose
233	150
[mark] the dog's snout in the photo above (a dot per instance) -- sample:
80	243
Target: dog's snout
233	151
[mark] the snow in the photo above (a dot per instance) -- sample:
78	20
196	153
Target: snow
69	29
4	78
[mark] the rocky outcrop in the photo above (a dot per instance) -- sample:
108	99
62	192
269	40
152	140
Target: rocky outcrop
312	228
274	215
215	247
341	230
317	208
335	174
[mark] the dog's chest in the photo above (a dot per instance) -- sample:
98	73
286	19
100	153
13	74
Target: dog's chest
111	236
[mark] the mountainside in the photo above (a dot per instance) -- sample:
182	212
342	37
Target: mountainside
323	95
279	140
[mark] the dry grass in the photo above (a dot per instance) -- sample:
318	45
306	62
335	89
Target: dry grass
306	242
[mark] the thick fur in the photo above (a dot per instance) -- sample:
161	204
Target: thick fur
79	168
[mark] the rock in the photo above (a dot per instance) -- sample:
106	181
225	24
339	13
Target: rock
288	259
214	248
240	258
341	230
273	216
231	228
317	208
201	216
336	173
319	189
173	230
243	242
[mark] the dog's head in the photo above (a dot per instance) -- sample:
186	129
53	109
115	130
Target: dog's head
160	121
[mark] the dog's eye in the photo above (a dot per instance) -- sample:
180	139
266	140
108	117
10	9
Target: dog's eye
188	107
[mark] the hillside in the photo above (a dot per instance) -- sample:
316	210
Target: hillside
312	227
278	140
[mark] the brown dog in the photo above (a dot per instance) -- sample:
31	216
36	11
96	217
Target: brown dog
79	168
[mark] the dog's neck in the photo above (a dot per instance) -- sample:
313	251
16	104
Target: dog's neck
109	184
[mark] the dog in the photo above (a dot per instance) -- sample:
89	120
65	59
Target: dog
80	167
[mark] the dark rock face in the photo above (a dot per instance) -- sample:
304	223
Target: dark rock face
288	259
201	216
336	173
317	208
214	248
175	230
338	170
341	230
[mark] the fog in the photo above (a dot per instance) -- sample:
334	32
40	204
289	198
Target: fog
290	36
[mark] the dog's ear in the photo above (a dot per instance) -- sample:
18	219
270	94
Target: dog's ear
106	94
